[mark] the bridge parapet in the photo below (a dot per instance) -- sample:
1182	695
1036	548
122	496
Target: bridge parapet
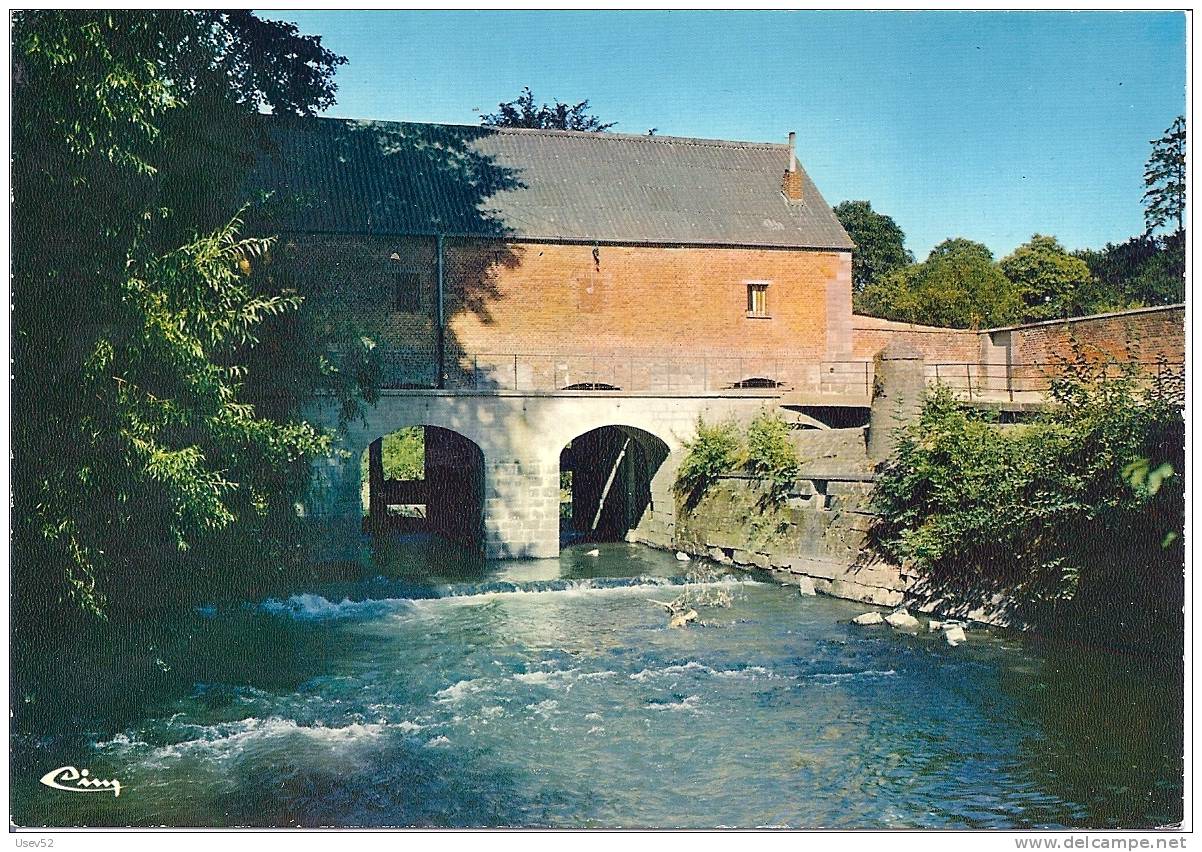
668	374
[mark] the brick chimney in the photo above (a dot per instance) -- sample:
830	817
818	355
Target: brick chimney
791	184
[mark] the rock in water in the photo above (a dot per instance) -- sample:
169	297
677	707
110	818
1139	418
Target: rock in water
593	552
680	619
868	618
902	620
806	585
955	635
681	556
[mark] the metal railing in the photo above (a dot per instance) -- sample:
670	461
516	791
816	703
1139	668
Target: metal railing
844	382
753	374
1032	382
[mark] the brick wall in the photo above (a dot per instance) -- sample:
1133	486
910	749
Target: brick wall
655	301
938	345
1141	335
334	272
337	272
556	299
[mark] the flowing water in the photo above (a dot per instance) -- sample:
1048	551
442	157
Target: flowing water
442	692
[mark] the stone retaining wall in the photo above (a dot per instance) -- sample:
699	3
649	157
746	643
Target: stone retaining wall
815	539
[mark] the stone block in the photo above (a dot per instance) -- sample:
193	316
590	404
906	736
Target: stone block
853	591
902	620
881	576
868	619
859	521
814	567
848	488
743	557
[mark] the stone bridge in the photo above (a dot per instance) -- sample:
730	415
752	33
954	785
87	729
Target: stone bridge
493	457
493	462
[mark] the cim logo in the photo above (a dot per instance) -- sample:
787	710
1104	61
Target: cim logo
78	781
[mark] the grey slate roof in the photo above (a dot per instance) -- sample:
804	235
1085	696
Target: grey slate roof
345	176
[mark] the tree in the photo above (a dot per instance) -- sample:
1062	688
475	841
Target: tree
1164	176
958	286
880	243
1052	282
1141	271
959	247
135	301
523	113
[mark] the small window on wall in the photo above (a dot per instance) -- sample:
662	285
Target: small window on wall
757	298
407	291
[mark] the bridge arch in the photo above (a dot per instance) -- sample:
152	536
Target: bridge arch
437	487
607	474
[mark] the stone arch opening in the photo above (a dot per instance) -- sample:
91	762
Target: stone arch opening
592	386
605	482
424	479
756	383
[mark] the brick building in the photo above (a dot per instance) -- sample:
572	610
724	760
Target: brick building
556	259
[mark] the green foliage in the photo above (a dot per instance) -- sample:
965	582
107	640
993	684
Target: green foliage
718	450
962	249
1053	283
764	450
140	442
1140	272
173	454
1148	269
404	454
880	243
523	112
770	452
565	494
1080	510
1164	176
959	286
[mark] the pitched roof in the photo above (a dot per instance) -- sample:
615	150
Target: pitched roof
346	176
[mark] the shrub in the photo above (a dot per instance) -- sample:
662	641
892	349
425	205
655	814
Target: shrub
1081	511
721	449
770	452
717	450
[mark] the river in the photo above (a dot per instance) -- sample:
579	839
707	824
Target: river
437	690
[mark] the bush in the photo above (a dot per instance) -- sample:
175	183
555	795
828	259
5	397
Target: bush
1079	512
717	450
764	451
770	453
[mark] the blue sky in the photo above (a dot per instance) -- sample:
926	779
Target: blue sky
992	126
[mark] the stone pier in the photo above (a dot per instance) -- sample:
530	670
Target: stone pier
897	396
